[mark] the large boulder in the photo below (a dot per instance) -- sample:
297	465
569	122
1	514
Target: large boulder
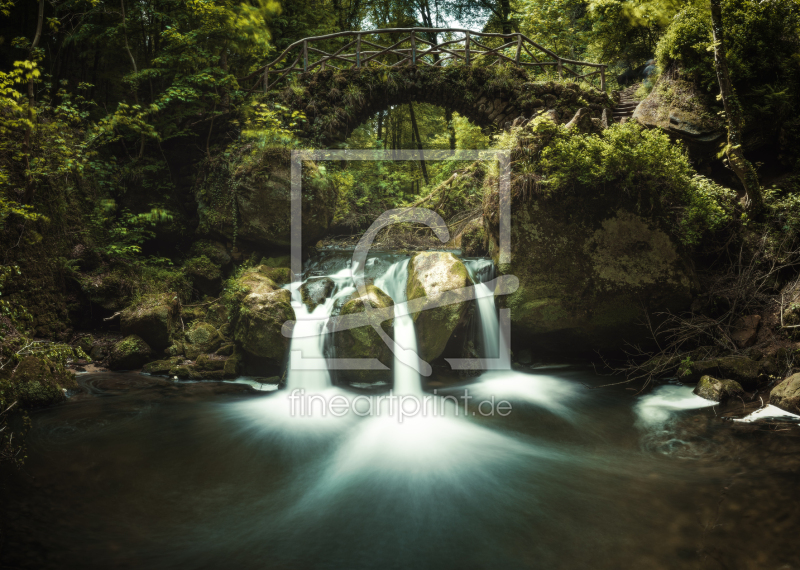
205	274
587	269
154	319
718	390
38	382
263	308
430	274
786	395
201	338
128	354
680	109
261	184
364	342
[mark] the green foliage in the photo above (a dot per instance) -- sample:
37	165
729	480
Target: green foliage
642	163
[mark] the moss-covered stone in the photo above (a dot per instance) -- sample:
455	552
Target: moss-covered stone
262	310
743	370
128	354
680	109
587	270
154	319
786	395
315	291
280	275
430	274
473	239
233	365
38	382
208	362
281	261
365	342
205	274
162	367
213	250
201	338
718	390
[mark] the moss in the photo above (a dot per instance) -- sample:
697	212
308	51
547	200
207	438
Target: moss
212	250
718	390
38	382
280	275
205	274
315	291
430	274
128	354
786	395
365	342
153	318
201	338
473	239
162	367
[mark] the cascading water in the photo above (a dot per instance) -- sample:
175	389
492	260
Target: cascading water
393	283
482	271
306	369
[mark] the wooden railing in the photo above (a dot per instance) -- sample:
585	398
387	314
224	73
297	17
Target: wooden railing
393	47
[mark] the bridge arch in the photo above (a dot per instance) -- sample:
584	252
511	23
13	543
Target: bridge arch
335	102
339	80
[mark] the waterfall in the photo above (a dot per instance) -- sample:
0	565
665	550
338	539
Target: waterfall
481	271
310	372
393	283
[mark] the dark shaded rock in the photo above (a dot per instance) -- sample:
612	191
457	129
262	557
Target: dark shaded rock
154	319
473	239
739	368
213	250
205	274
365	342
315	291
745	330
128	354
718	390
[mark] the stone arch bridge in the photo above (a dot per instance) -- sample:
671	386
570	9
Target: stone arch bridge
340	80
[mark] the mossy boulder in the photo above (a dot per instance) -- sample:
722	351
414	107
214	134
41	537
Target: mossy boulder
209	362
213	250
154	319
205	275
162	367
680	109
473	239
430	274
233	365
128	354
587	270
315	291
364	342
262	310
38	382
201	338
280	275
746	371
262	178
718	390
786	395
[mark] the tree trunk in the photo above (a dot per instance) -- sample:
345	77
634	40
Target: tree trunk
733	113
31	92
448	116
415	131
505	8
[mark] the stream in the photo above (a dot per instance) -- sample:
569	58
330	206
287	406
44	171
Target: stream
145	472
